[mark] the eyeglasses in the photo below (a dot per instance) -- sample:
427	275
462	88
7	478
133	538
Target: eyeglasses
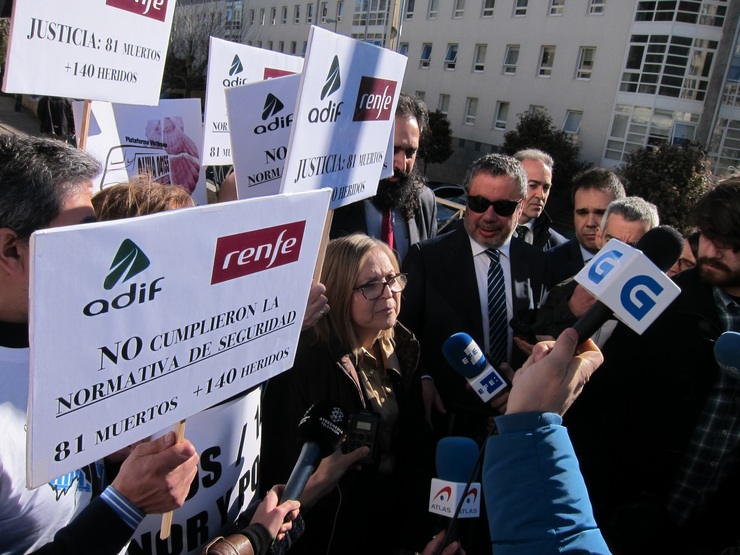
501	207
372	290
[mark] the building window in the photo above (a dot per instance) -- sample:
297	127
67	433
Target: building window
724	146
262	16
309	13
410	9
273	16
520	8
585	62
324	11
557	7
284	15
340	11
281	46
458	9
426	55
572	122
251	17
708	12
420	95
547	56
433	9
596	7
471	108
487	10
297	14
479	60
293	47
259	44
502	114
536	109
374	13
404	48
444	103
269	45
451	57
303	50
511	58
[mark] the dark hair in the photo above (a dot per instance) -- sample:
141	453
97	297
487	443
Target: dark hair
717	213
598	178
37	176
139	197
497	164
413	106
693	239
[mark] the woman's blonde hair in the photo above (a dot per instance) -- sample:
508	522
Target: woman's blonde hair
344	259
138	197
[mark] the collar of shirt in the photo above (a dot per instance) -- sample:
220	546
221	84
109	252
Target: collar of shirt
585	254
477	248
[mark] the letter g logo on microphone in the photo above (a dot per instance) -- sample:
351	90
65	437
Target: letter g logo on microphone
602	266
638	295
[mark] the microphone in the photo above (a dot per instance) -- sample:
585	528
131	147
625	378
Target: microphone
321	430
468	360
662	245
453	494
727	353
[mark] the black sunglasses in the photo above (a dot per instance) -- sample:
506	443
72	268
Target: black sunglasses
501	207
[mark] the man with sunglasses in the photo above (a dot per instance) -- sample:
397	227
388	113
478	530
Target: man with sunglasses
657	433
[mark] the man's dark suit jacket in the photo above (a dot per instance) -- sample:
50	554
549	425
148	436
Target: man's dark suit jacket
566	261
351	219
543	236
441	299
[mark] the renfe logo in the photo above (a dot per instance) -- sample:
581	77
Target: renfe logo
271	73
254	251
154	9
374	99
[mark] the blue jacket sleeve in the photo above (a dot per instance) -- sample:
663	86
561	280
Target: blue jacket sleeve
535	496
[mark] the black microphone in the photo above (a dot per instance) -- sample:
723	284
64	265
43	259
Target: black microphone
321	430
662	245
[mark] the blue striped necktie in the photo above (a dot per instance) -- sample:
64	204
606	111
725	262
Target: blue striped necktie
497	320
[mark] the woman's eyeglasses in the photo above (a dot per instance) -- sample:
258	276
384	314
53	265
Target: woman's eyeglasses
501	207
372	290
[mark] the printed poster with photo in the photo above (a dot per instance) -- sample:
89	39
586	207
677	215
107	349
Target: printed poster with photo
161	141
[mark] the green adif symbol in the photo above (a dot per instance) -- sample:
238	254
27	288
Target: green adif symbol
129	261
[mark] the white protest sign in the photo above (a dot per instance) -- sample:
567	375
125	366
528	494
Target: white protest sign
110	50
259	137
625	280
161	141
344	116
231	64
139	323
227	438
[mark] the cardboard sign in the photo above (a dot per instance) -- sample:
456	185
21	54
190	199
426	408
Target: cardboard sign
259	138
139	323
344	117
110	50
625	280
161	141
231	64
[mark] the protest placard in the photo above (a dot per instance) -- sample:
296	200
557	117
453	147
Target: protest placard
110	50
140	323
259	137
161	141
344	117
231	64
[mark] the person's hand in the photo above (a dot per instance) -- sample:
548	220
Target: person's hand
273	516
430	397
500	401
329	472
434	546
552	377
580	301
316	307
156	476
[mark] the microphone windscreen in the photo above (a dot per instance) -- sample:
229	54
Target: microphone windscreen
464	355
662	245
727	352
325	423
456	458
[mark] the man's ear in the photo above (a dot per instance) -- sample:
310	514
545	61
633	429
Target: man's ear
13	252
599	237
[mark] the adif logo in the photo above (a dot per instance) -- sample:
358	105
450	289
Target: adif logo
154	9
336	415
272	107
254	251
128	262
374	99
235	69
332	111
236	66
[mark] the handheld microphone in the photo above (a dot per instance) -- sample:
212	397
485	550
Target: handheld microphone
662	245
321	430
468	360
454	494
727	353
